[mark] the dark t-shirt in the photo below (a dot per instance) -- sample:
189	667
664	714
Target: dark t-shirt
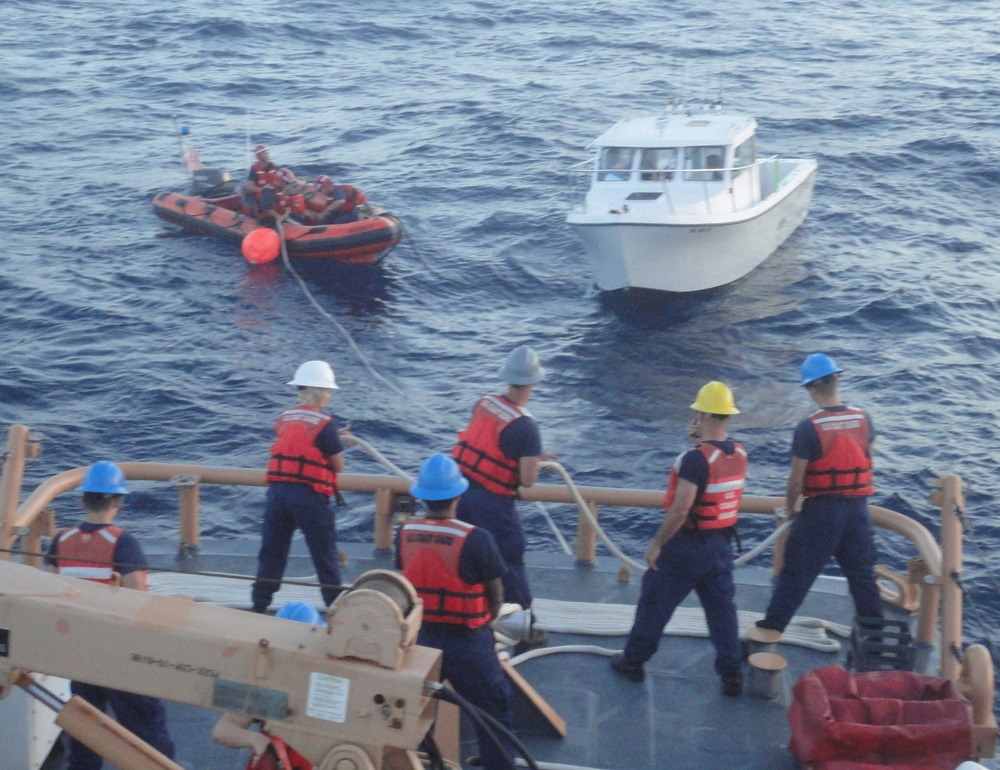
128	556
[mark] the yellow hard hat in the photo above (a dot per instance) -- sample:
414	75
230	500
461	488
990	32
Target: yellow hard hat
715	398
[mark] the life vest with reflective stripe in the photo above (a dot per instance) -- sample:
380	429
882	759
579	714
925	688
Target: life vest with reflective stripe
718	505
279	756
295	456
266	174
478	451
845	467
429	550
87	555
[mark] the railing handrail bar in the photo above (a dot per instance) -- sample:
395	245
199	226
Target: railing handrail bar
69	480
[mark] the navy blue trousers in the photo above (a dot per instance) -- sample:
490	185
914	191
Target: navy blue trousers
690	561
289	507
498	515
470	663
139	714
836	526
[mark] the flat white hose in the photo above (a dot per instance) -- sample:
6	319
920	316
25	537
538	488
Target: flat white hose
551	614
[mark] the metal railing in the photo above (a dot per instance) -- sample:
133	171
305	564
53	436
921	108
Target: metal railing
934	574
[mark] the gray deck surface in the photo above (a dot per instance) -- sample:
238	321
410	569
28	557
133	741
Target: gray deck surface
677	718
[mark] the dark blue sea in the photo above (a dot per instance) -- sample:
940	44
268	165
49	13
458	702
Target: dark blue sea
123	341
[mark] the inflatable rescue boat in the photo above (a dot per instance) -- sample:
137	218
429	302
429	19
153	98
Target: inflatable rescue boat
364	242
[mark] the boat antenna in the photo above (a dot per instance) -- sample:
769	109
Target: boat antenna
186	152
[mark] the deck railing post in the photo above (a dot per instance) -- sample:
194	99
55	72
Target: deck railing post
18	450
950	496
188	494
385	504
586	538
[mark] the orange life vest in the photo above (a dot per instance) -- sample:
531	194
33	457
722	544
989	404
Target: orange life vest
845	467
316	200
266	174
295	457
478	451
718	505
87	555
429	550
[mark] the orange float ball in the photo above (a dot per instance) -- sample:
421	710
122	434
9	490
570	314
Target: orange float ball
261	246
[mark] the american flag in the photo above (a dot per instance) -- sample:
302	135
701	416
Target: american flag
192	159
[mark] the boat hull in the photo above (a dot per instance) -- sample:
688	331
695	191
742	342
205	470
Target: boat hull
690	252
364	242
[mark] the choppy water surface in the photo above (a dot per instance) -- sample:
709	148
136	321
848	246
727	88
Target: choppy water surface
463	118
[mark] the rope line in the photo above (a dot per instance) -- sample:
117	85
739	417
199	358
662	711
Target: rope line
346	335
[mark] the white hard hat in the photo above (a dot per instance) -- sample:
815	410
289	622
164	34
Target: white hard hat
522	367
314	374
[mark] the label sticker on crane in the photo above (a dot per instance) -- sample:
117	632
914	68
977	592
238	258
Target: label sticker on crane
328	697
4	642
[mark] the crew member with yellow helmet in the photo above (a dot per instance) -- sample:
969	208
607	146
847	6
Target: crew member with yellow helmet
691	549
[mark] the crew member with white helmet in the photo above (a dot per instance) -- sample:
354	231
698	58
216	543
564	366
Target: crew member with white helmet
306	457
832	468
498	452
97	550
457	571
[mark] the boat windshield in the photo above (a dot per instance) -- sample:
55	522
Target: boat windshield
615	164
702	162
657	165
744	156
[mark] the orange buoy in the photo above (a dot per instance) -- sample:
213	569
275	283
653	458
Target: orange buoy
261	246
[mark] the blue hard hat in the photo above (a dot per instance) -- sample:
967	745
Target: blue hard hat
302	613
106	477
439	479
818	365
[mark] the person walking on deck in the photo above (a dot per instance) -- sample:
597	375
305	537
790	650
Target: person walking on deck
832	468
691	550
97	550
302	473
499	452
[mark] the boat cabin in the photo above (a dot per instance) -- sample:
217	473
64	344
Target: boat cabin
702	162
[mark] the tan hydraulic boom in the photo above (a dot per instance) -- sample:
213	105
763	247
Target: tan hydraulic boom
352	695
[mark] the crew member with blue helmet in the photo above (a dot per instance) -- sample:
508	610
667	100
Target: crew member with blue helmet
457	570
498	452
691	550
97	550
832	469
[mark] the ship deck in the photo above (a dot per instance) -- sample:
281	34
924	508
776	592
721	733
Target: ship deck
678	713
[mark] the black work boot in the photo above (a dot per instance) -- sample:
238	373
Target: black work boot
634	672
732	684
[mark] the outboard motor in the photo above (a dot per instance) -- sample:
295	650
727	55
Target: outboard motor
212	183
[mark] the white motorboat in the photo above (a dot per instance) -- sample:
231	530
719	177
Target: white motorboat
680	202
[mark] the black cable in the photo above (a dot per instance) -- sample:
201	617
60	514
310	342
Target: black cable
488	723
429	746
477	716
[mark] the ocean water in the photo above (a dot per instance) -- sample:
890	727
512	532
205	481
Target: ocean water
123	341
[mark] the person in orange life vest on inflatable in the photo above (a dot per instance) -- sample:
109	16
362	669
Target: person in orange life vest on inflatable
691	549
306	457
457	570
234	730
832	467
498	452
341	203
264	182
96	549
